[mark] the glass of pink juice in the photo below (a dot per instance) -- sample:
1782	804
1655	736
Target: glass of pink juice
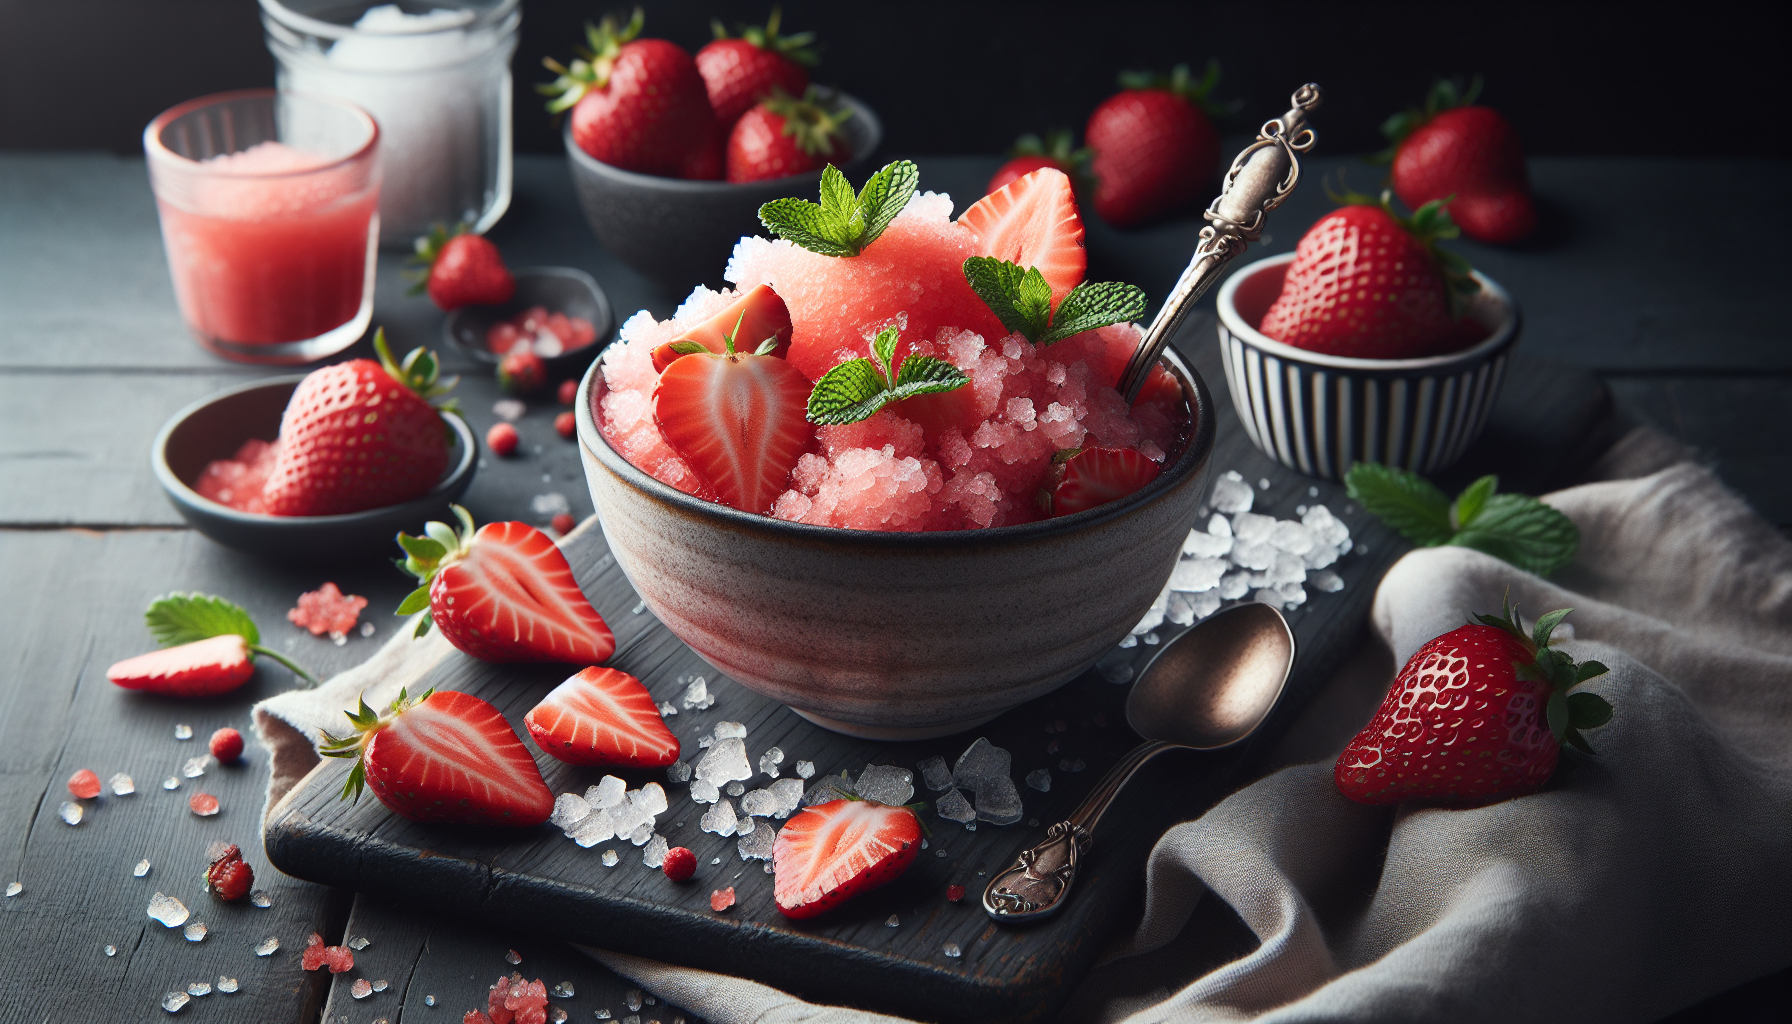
270	215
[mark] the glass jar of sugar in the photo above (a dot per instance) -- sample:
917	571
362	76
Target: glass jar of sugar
435	75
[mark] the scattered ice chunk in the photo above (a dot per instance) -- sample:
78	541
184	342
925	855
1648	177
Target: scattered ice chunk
886	784
1292	537
735	788
610	859
367	629
226	984
429	1000
267	946
1196	574
951	949
111	950
608	792
556	1015
654	853
697	694
730	731
1321	556
934	774
1252	555
549	505
141	868
759	802
1181	611
704	791
361	989
1231	494
1251	528
123	785
1129	640
954	807
719	819
726	761
667	710
260	899
1204	604
1151	639
569	810
70	812
562	990
633	998
1205	545
1287	568
183	732
651	799
513	957
757	844
1313	492
1326	528
14	888
509	409
194	767
381	985
789	796
195	932
745	825
1263	483
168	910
597	827
805	769
170	783
1115	668
641	834
174	1002
1234	585
1293	594
199	988
1361	548
770	760
359	942
1300	510
1219	526
678	771
1040	779
828	789
892	922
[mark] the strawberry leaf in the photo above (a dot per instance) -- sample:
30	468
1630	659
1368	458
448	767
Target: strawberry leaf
1589	669
1588	710
1092	305
1405	501
1521	530
184	618
1547	625
414	602
1556	711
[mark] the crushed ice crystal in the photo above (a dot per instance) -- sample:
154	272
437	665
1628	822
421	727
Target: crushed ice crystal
770	760
70	812
654	853
226	984
183	732
195	932
361	989
805	769
170	783
610	859
359	942
719	819
14	888
267	946
174	1002
168	910
1040	779
886	784
123	785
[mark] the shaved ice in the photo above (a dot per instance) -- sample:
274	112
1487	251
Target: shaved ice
972	458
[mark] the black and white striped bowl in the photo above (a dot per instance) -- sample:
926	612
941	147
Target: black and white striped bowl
1321	413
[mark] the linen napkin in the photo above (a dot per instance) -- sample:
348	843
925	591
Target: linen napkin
1641	880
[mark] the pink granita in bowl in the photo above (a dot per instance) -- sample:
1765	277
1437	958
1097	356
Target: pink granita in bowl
910	579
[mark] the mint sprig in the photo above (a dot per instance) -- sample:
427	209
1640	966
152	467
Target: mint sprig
844	223
177	618
1515	528
856	389
1022	300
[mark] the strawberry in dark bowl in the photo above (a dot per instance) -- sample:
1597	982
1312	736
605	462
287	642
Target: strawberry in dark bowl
226	464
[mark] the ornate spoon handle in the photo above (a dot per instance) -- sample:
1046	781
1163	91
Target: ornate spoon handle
1259	179
1036	885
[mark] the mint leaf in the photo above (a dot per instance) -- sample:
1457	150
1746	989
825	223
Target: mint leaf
998	284
1473	498
184	618
1520	529
1091	305
922	375
1405	501
843	224
858	388
883	347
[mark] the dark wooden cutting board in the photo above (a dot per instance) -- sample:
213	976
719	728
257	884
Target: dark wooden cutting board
1549	422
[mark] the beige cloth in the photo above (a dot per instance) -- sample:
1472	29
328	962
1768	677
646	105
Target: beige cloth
1642	880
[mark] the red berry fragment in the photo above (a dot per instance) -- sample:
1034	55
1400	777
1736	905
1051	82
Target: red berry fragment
229	877
512	1000
313	957
327	610
721	899
227	745
337	958
954	893
340	959
566	424
475	1017
563	523
84	784
203	804
680	864
569	392
501	439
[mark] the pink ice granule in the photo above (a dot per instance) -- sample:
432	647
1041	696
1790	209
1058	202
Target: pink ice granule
327	610
84	784
512	1000
337	958
239	480
721	899
203	804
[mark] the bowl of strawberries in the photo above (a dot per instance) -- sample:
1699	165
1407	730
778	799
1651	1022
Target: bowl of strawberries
673	154
1368	343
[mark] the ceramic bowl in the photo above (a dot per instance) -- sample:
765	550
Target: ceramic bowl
216	426
1321	414
677	232
559	290
896	636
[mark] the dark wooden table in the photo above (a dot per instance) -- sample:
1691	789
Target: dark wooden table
93	358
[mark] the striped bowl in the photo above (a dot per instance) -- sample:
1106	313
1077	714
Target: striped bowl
1321	413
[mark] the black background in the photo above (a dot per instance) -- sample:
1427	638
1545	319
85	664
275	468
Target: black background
961	77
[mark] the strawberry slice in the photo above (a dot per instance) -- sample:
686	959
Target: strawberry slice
1033	222
202	668
1086	477
504	593
829	853
602	716
445	756
736	418
759	314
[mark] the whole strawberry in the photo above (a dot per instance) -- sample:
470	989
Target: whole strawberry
1155	149
739	72
1367	283
1031	152
1467	156
228	877
462	269
521	371
782	135
638	104
1477	715
359	435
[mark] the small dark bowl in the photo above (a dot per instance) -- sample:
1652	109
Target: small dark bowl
558	289
679	232
216	426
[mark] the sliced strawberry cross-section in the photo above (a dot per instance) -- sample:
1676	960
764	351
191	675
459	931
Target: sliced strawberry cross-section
1033	222
752	318
1087	477
602	716
831	852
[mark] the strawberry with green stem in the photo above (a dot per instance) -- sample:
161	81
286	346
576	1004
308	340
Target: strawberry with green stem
1156	150
209	648
460	268
783	135
738	71
1030	153
1465	156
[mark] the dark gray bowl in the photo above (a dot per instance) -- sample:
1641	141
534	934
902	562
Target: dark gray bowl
216	426
680	232
560	290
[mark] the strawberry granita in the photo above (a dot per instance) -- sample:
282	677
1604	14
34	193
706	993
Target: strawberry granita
239	480
966	459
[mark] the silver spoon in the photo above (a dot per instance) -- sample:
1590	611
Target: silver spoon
1206	690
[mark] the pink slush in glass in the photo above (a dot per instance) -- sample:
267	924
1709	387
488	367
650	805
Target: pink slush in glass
269	206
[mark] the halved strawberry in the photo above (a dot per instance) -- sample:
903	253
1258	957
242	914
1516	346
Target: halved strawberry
503	593
602	716
1033	222
445	756
831	852
760	314
736	418
1083	478
199	669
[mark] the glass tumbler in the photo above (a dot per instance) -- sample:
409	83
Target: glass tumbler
269	207
439	85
